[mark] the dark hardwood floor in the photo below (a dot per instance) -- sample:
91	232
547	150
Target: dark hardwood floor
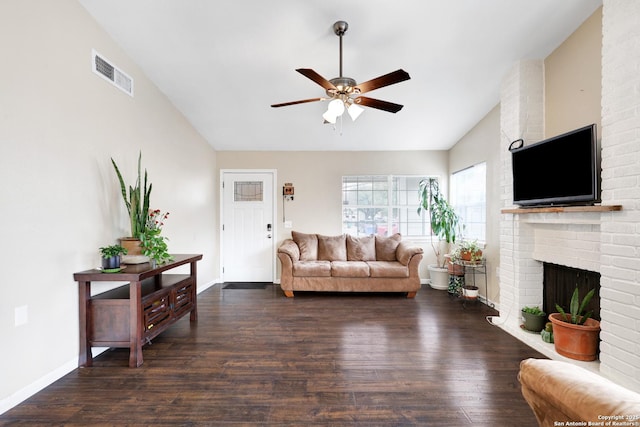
257	358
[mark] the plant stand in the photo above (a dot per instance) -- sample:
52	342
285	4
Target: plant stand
472	269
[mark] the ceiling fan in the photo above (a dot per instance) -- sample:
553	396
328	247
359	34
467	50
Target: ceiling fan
345	93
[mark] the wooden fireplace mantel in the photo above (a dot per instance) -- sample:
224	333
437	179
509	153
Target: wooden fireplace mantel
561	209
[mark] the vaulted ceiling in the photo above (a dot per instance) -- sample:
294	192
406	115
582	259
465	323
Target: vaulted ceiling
222	63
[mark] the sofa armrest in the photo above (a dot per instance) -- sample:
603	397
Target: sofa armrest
290	248
406	250
560	391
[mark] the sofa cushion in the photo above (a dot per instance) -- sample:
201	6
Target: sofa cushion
312	269
332	248
308	244
387	269
386	247
349	269
361	248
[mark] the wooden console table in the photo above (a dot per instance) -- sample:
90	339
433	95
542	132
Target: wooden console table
134	314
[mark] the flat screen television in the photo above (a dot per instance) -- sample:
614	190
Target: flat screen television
563	170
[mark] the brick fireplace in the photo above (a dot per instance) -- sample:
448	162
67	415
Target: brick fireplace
607	242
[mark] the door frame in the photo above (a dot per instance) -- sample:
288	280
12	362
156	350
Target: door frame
274	209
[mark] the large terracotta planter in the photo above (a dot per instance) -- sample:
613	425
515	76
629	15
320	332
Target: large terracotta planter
579	342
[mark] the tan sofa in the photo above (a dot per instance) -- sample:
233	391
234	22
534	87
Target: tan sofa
312	262
560	392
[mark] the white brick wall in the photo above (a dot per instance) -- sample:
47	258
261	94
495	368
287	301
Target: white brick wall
620	232
521	116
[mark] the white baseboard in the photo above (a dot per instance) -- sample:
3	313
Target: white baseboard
28	391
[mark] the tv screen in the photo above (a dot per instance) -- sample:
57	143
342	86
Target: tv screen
563	170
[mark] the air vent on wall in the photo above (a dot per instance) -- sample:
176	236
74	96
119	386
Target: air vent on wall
105	69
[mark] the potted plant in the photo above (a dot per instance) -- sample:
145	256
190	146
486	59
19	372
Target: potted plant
534	318
137	204
576	334
444	225
153	244
547	333
468	251
111	256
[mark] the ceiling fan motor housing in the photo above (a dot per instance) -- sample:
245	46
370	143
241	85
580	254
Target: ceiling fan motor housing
344	86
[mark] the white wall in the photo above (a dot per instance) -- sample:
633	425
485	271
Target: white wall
59	125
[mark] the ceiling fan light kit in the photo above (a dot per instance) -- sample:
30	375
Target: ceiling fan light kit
344	92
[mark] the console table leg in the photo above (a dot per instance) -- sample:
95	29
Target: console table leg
84	294
194	292
135	324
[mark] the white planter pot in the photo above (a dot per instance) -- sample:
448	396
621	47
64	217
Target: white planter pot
470	293
439	277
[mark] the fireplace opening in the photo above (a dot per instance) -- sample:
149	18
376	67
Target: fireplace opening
559	283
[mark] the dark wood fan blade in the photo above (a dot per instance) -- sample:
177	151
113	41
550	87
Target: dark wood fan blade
310	74
376	103
382	81
302	101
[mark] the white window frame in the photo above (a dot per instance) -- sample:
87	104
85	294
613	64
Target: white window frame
468	196
407	221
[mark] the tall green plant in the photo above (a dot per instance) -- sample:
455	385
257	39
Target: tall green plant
137	201
577	308
445	222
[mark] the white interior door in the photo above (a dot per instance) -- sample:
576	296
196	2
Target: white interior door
248	227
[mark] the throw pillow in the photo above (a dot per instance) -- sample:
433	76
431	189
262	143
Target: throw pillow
308	244
386	247
332	248
361	248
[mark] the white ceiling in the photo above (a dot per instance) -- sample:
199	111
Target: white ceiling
224	62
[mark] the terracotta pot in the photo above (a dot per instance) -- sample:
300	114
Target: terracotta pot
132	245
455	269
579	342
466	255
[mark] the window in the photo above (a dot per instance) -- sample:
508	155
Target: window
247	191
382	205
469	199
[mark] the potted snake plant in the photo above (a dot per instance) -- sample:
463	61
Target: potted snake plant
576	334
137	203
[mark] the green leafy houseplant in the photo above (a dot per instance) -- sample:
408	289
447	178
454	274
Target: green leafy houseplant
535	310
137	200
153	244
577	308
111	256
467	250
534	318
111	251
445	222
